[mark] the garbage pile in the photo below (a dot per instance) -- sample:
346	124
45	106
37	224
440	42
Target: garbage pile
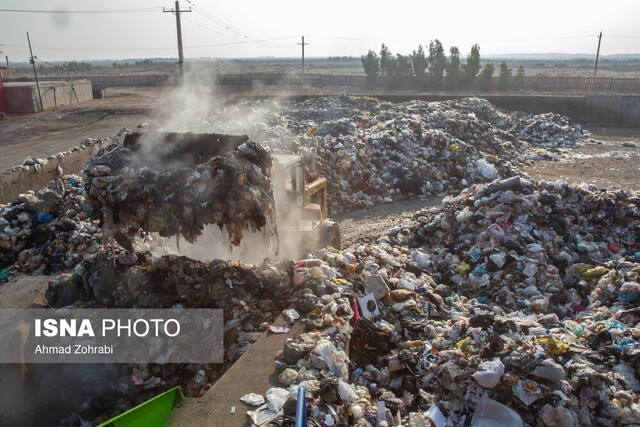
556	344
512	301
48	231
251	297
550	130
177	184
526	246
373	151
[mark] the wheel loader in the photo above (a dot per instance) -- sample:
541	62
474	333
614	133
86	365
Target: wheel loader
300	207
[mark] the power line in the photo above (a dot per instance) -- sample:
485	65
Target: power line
624	32
139	10
136	49
219	22
237	41
94	49
210	29
230	27
42	60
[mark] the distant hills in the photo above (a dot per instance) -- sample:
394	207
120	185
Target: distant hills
564	56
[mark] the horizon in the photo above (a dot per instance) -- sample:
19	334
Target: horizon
551	57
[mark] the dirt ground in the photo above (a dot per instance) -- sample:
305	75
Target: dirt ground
40	135
49	132
366	225
608	164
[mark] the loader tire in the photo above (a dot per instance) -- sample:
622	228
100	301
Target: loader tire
330	235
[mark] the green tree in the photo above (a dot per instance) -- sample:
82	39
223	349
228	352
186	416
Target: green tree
371	65
473	66
77	66
405	70
419	61
518	80
486	76
504	78
453	69
388	64
437	63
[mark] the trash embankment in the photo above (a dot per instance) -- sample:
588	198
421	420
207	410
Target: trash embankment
373	151
47	232
513	302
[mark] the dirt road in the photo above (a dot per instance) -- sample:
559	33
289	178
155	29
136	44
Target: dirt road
52	131
609	164
364	226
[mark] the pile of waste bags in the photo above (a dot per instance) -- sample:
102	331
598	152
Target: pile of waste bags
538	241
370	151
374	151
48	231
423	348
251	297
403	332
175	184
550	130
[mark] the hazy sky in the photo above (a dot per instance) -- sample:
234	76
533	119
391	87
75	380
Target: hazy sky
331	27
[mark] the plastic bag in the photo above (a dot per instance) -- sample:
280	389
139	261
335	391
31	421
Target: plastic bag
486	169
490	413
276	398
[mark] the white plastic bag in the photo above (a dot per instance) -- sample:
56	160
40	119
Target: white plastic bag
486	169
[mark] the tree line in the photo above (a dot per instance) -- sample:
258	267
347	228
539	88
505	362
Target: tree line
68	66
433	70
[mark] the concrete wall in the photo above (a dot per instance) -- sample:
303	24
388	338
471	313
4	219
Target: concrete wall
23	97
630	110
12	184
62	93
620	110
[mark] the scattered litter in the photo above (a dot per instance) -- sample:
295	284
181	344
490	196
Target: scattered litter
252	399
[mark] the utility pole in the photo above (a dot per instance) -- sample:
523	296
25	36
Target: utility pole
8	67
597	55
177	12
303	44
32	59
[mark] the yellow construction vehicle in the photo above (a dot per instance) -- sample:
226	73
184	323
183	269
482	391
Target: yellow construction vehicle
301	208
